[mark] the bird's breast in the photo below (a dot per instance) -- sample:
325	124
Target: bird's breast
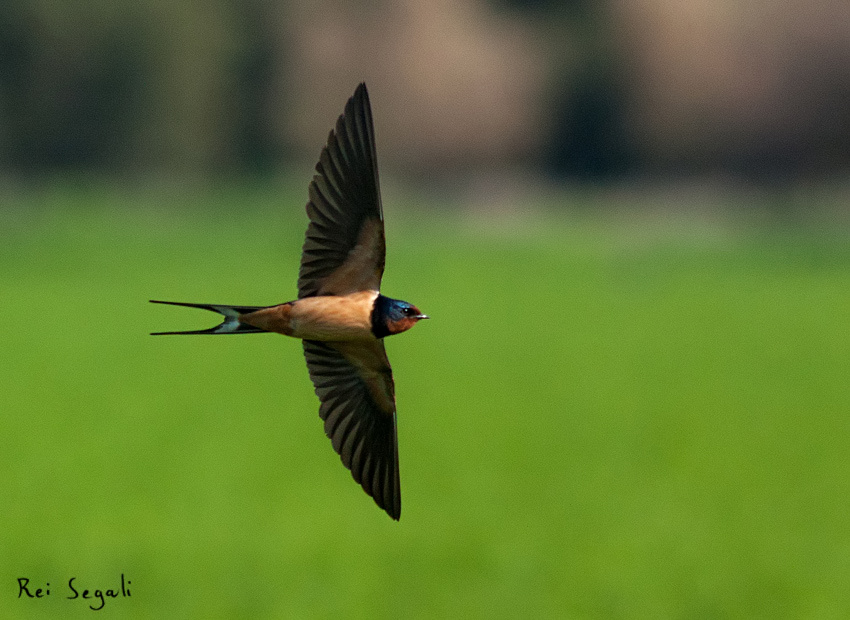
332	318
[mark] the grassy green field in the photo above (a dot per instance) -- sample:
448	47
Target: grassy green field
606	417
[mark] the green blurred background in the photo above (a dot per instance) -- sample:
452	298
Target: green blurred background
628	221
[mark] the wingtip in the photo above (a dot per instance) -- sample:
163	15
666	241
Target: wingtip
394	512
361	93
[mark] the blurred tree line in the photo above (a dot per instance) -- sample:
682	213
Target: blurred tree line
148	85
588	90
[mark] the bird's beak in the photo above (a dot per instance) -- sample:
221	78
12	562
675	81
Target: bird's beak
419	317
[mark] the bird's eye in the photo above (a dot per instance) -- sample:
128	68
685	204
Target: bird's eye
408	311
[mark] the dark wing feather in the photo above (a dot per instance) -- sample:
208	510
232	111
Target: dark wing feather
355	386
344	247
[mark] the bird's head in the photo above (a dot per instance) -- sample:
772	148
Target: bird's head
393	316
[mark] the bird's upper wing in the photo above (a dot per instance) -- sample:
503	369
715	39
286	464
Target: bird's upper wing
354	383
344	246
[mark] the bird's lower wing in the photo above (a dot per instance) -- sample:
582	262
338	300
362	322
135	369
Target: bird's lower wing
355	386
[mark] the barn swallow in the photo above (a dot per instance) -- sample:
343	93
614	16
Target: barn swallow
340	315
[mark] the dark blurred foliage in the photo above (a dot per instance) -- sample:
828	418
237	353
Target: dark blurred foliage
588	133
573	9
65	103
255	147
587	138
148	87
578	89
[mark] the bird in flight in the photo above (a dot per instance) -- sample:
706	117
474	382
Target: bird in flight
340	315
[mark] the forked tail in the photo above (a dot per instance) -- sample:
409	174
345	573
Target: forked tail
230	325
